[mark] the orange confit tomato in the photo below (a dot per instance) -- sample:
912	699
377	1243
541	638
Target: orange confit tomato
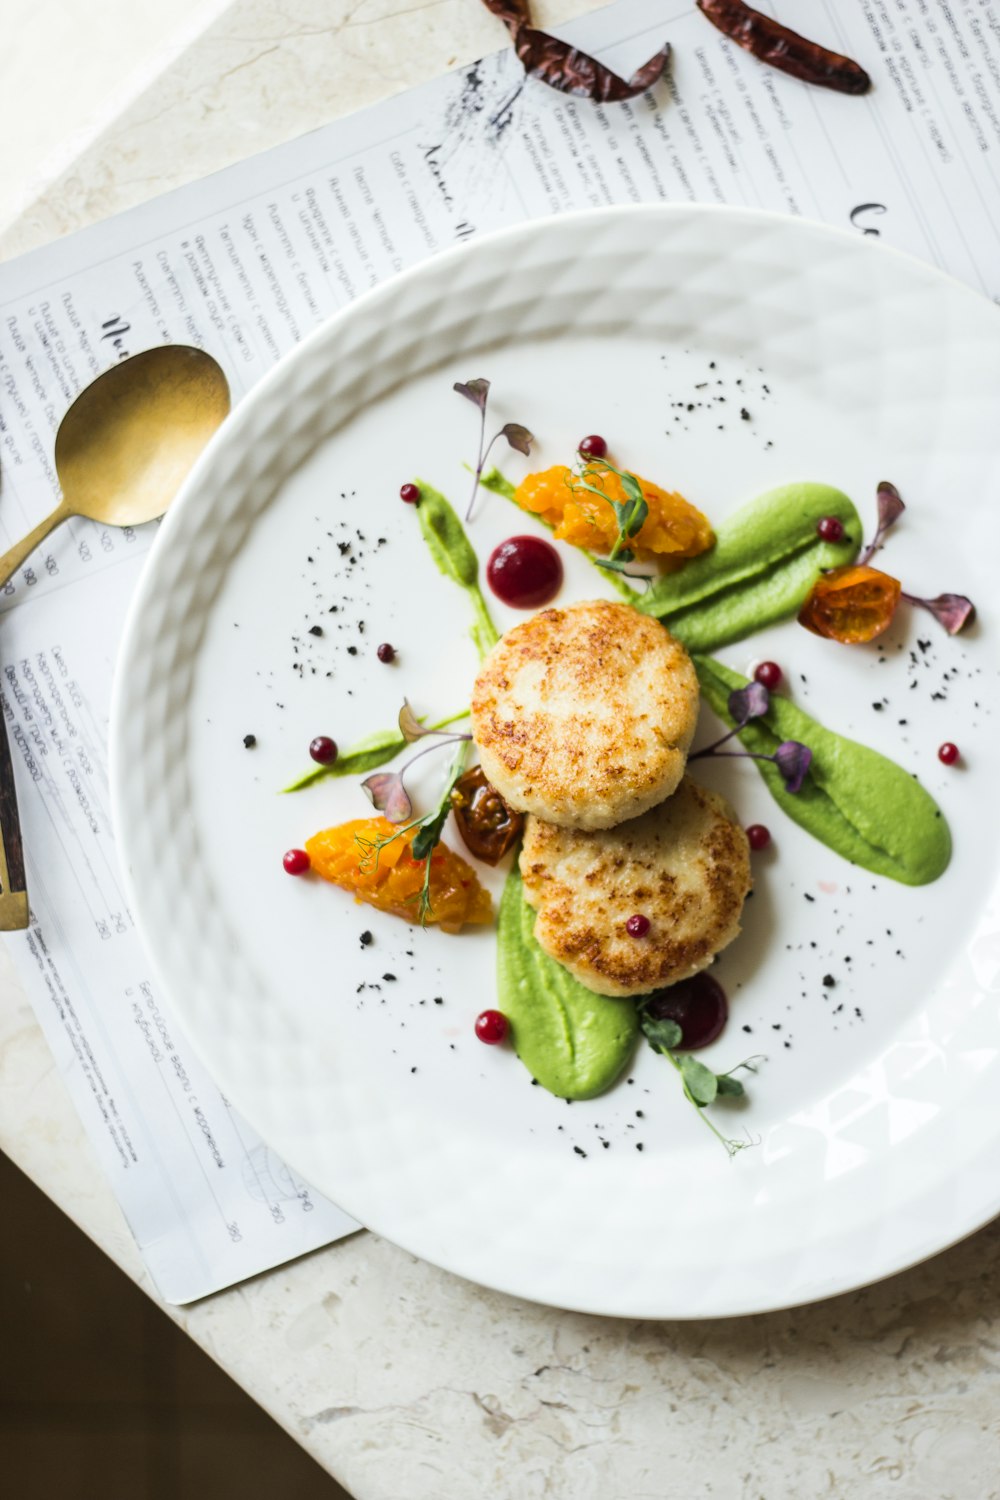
852	604
365	858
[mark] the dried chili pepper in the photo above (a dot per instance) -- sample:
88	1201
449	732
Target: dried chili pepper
566	68
782	48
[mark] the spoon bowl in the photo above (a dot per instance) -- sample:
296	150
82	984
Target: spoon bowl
130	438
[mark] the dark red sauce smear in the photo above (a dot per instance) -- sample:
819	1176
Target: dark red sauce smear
699	1007
525	572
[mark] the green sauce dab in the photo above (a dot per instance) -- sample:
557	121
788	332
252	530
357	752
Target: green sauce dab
856	801
575	1043
456	558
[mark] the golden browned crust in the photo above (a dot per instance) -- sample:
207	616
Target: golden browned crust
685	865
584	715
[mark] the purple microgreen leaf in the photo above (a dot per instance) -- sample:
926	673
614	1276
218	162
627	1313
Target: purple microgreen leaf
387	794
518	437
890	506
410	726
953	611
750	702
793	760
475	391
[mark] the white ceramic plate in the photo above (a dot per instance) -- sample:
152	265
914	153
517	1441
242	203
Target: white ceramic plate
876	1111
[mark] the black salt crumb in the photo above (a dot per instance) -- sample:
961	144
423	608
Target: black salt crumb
828	981
249	740
745	415
808	897
748	1028
638	1145
438	1000
413	1070
352	650
390	977
366	938
315	630
579	1151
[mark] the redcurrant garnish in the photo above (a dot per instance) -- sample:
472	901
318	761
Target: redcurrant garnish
491	1027
768	674
410	493
830	529
593	446
386	652
637	926
296	862
948	753
758	837
323	750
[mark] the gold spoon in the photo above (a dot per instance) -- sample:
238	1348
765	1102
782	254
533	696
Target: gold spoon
129	439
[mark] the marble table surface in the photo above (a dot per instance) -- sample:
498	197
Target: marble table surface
404	1382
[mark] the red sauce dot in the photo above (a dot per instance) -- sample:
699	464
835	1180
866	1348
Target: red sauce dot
830	529
768	674
525	572
698	1006
296	862
593	446
410	493
758	837
491	1027
386	652
637	926
948	753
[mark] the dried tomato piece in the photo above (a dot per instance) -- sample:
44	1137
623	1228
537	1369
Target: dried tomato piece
489	828
852	604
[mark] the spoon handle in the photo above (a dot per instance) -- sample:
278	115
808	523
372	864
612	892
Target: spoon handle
14	913
12	560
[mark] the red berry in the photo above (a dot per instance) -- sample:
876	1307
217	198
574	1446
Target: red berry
637	926
593	446
758	837
386	652
296	862
410	493
491	1027
948	753
830	529
323	750
768	674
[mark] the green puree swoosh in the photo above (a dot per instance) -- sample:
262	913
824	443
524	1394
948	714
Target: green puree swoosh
575	1043
766	558
854	800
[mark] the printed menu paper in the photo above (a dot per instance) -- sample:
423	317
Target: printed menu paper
244	264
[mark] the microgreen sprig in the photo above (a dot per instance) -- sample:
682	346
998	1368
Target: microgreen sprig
388	795
701	1086
953	612
792	758
477	391
630	513
385	790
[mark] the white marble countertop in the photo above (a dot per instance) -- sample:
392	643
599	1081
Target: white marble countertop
404	1382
